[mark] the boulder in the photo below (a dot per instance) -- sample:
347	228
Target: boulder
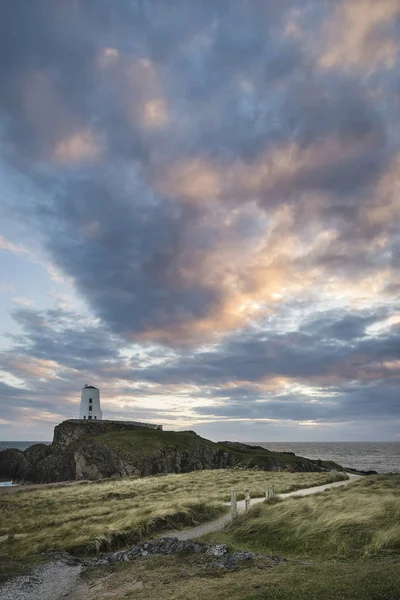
10	460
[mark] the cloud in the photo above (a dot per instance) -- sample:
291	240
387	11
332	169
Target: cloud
23	301
200	170
336	367
361	405
8	391
7	245
332	369
361	35
52	337
78	147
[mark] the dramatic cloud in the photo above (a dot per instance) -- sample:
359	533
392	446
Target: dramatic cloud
217	182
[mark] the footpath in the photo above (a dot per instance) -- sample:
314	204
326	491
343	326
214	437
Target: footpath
218	524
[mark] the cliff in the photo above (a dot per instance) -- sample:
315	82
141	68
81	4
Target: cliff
100	449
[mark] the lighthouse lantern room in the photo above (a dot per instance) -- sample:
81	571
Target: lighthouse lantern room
90	404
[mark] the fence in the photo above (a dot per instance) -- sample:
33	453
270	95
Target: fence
269	493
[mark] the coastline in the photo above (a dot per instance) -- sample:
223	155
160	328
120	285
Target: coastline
382	457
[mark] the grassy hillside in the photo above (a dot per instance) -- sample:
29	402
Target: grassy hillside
362	519
96	450
347	541
143	442
108	513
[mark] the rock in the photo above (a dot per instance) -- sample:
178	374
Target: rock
40	464
10	460
217	550
95	450
164	546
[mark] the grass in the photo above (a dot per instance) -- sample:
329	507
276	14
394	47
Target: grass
145	442
349	536
150	443
183	577
106	514
359	520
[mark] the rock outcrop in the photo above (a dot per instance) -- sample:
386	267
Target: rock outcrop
226	559
10	461
102	449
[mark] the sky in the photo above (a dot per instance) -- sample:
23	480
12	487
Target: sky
200	215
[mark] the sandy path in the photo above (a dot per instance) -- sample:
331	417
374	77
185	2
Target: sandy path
218	524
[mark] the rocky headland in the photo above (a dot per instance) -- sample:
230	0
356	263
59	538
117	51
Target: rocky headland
102	449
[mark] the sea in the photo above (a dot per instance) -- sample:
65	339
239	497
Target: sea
19	445
383	457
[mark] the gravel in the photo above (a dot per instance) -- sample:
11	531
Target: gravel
52	581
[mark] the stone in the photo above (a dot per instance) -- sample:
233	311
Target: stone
85	451
164	546
218	550
10	460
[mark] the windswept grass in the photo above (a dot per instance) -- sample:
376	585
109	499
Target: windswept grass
349	536
359	520
182	577
106	514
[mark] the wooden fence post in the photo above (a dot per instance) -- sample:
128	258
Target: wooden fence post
246	499
270	492
234	511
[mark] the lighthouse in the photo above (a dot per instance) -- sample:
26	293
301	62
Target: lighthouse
90	404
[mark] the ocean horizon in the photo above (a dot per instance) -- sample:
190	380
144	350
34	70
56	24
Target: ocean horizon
383	457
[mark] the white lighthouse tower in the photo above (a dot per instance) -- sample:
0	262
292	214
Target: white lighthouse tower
90	404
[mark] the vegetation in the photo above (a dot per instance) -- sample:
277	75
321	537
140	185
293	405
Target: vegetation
142	442
95	450
362	519
349	538
108	513
194	577
345	539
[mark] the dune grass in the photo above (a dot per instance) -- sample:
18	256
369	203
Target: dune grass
106	514
182	577
359	520
349	537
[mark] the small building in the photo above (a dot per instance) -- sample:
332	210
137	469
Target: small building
90	404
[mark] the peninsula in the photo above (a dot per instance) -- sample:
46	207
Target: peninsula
99	449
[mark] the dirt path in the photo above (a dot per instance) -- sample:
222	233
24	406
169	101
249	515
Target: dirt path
52	581
218	524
